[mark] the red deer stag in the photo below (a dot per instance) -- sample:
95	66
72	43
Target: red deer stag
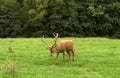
60	47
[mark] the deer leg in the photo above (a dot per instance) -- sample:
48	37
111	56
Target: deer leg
72	55
56	58
64	56
68	54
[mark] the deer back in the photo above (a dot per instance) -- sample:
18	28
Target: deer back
65	45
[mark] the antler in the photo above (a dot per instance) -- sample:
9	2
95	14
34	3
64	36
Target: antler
44	41
55	39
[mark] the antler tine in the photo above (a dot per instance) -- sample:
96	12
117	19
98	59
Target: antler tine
44	41
56	36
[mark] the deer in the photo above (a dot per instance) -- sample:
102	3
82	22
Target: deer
60	47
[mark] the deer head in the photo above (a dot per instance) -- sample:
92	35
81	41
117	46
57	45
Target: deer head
51	48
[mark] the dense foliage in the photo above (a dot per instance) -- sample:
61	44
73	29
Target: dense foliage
78	18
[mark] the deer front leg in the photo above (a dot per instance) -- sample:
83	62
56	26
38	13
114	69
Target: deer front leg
56	58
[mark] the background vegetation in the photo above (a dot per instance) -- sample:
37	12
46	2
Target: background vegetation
80	18
94	58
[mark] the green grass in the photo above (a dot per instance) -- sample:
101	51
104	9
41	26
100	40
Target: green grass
95	58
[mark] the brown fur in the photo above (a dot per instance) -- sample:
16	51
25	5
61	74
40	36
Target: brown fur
61	47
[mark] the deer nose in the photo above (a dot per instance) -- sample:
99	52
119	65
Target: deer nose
51	54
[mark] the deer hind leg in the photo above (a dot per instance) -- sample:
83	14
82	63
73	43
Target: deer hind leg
68	54
64	56
72	55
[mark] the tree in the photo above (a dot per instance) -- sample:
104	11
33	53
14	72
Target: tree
9	18
32	18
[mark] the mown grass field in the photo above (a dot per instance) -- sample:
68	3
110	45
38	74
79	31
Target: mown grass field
94	58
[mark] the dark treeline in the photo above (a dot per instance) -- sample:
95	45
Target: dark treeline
73	18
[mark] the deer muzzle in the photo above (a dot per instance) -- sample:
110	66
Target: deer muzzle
51	54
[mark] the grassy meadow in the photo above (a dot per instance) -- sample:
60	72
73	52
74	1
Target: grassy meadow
29	58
